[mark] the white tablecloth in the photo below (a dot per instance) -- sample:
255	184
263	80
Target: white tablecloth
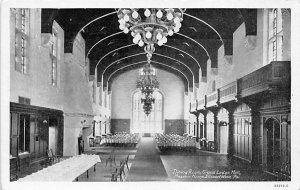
66	170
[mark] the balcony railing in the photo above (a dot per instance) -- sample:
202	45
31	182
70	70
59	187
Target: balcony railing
228	92
269	77
193	107
275	77
201	103
212	99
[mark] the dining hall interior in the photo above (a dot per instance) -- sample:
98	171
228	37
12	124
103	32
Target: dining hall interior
149	94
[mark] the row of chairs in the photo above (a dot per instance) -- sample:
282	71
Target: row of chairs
118	172
122	140
175	142
284	174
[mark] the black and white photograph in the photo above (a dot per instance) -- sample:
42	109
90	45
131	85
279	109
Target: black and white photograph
94	95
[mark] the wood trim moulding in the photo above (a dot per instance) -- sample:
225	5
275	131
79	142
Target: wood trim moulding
34	109
78	115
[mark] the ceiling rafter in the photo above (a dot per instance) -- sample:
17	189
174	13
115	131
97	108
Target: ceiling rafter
202	33
141	63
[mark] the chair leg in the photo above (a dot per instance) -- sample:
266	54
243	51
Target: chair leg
121	179
127	166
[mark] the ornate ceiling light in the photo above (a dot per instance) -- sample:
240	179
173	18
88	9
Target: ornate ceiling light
147	104
150	26
147	81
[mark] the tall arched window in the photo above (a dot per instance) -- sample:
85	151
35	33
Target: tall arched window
141	123
275	35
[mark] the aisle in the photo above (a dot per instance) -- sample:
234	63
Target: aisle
147	165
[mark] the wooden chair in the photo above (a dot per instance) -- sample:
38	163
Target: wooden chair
111	159
126	162
52	158
118	172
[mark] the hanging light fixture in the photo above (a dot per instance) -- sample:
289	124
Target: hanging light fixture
147	102
147	81
151	25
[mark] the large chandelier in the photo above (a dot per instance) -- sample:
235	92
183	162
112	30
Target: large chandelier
150	26
148	82
147	104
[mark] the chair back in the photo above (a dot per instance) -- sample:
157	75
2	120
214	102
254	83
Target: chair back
126	159
49	153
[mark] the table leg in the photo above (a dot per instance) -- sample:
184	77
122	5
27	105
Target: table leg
87	173
94	167
76	178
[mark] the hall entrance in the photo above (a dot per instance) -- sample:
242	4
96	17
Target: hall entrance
273	144
142	123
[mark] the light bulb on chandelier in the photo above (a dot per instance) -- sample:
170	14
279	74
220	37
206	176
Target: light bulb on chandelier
153	27
135	15
148	35
122	26
141	43
159	43
159	14
126	30
177	20
169	16
126	18
147	13
135	40
159	36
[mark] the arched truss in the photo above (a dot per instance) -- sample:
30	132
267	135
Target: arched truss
191	74
101	25
136	65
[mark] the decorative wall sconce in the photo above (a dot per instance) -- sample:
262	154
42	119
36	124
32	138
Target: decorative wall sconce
45	121
285	122
249	122
223	123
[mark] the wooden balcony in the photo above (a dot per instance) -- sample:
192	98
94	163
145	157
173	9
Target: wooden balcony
228	92
193	106
201	103
212	99
271	77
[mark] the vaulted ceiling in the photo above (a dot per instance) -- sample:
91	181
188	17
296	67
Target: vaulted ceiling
112	52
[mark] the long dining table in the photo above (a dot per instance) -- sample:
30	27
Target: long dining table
67	170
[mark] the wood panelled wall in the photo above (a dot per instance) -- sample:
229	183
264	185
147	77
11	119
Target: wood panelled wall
242	133
29	133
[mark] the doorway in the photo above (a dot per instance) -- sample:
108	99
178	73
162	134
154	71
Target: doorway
223	127
53	135
273	144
